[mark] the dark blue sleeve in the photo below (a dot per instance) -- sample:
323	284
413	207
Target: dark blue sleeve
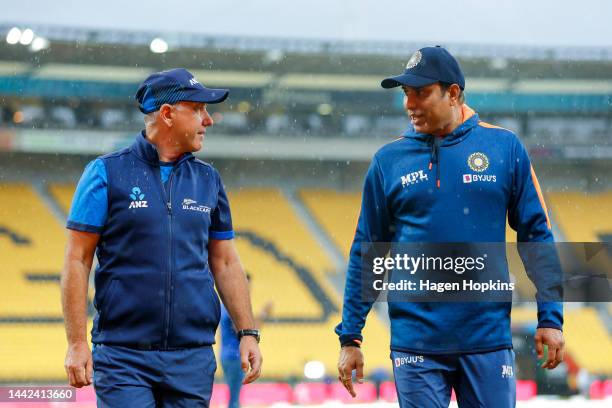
221	218
90	202
528	216
373	226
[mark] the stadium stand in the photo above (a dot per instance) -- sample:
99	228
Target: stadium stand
31	254
62	193
31	260
582	217
336	212
588	340
267	214
284	257
289	267
282	91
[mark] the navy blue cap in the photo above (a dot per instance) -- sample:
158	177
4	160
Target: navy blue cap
427	66
173	86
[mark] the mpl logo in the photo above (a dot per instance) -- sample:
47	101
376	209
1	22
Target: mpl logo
473	178
507	371
413	178
400	361
137	199
193	81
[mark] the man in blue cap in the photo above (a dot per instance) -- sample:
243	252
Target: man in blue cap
160	223
410	196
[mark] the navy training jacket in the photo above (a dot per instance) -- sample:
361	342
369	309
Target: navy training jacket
458	189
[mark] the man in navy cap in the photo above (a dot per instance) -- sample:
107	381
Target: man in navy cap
450	178
160	223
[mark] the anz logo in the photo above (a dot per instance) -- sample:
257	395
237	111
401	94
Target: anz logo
137	199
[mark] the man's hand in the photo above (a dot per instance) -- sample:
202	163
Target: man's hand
553	338
250	357
350	359
79	364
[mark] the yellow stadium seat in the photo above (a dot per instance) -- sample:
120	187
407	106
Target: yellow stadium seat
31	254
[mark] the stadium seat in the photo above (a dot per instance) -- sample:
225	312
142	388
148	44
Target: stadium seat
31	252
526	390
274	243
220	395
607	388
86	394
581	217
366	392
310	393
265	393
336	212
596	390
388	392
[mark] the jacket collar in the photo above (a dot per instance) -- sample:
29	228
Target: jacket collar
147	151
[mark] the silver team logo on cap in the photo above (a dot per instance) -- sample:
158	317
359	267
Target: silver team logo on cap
414	60
478	161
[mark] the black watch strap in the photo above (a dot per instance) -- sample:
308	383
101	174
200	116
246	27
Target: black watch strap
351	343
249	332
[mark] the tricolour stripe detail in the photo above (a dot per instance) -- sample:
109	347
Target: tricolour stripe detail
536	184
490	126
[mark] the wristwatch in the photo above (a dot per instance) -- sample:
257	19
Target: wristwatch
249	332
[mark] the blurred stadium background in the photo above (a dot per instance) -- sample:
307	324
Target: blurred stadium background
292	143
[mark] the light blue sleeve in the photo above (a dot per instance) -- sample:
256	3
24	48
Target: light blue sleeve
90	202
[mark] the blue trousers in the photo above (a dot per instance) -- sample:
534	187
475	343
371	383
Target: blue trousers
137	378
483	380
233	376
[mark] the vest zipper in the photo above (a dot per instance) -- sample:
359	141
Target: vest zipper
169	291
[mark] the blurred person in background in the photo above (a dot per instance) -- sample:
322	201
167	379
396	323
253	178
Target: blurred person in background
233	367
160	223
444	345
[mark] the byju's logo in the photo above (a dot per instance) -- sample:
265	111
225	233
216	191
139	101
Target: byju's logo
191	205
413	178
474	178
137	199
400	361
507	371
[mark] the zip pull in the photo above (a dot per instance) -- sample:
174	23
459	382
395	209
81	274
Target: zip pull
430	165
437	166
169	206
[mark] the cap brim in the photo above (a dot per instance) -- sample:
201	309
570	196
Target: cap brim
207	95
407	79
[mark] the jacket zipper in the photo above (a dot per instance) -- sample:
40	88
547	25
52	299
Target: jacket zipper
435	158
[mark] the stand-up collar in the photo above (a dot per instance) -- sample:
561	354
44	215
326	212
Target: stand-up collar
147	151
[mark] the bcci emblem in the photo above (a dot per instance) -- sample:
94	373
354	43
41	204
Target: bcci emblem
478	161
414	60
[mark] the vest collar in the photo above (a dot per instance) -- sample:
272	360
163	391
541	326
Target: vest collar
147	151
